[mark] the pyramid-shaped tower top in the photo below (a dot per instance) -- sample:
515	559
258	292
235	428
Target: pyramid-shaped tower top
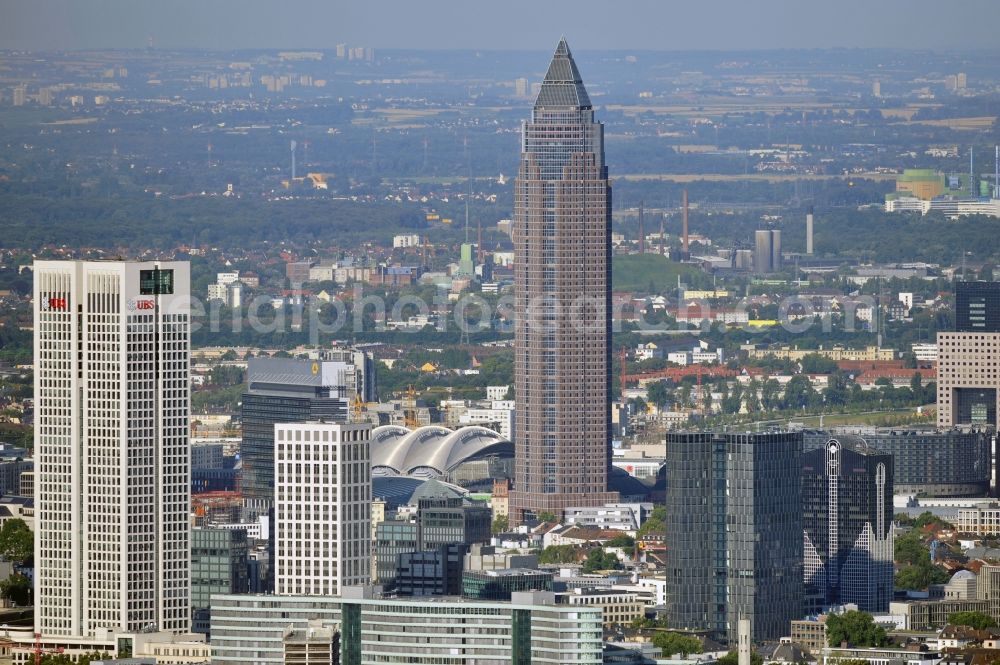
562	85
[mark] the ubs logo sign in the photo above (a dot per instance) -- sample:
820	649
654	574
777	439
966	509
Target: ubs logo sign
140	304
50	304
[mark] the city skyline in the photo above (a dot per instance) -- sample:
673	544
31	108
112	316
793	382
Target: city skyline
712	359
449	24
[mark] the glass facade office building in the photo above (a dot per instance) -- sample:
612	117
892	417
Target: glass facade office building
847	520
531	629
219	564
283	390
734	525
926	462
977	307
439	521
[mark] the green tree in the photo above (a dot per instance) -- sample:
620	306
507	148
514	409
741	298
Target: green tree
559	554
977	620
671	643
500	524
837	391
17	543
799	393
857	629
732	400
656	523
920	576
623	540
546	516
909	549
658	393
752	399
598	559
17	589
814	363
928	518
770	395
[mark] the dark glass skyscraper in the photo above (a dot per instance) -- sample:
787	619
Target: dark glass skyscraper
977	307
284	390
562	276
847	519
734	532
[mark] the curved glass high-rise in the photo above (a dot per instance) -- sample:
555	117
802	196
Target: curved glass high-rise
562	276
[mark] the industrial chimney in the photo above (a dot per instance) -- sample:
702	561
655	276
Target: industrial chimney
809	231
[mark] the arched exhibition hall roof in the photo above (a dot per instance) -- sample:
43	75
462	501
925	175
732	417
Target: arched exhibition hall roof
432	451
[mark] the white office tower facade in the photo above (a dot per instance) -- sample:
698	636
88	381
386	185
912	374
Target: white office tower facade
323	495
112	479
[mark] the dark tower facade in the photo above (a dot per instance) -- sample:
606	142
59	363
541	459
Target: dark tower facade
847	518
562	241
977	307
734	532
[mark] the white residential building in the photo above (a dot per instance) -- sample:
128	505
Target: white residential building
406	240
323	495
681	358
648	351
702	356
112	483
227	278
217	292
322	273
617	516
496	392
502	420
982	519
949	207
926	351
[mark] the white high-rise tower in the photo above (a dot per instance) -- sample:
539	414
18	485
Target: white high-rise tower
323	496
112	474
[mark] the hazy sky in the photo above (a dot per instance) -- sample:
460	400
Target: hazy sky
499	24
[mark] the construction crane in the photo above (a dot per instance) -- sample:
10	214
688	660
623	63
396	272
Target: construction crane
358	408
410	409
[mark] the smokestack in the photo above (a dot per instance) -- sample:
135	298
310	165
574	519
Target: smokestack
684	251
809	231
642	231
663	239
775	250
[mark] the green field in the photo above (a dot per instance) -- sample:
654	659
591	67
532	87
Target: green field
635	272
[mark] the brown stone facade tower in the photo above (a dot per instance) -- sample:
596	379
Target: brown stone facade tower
562	279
